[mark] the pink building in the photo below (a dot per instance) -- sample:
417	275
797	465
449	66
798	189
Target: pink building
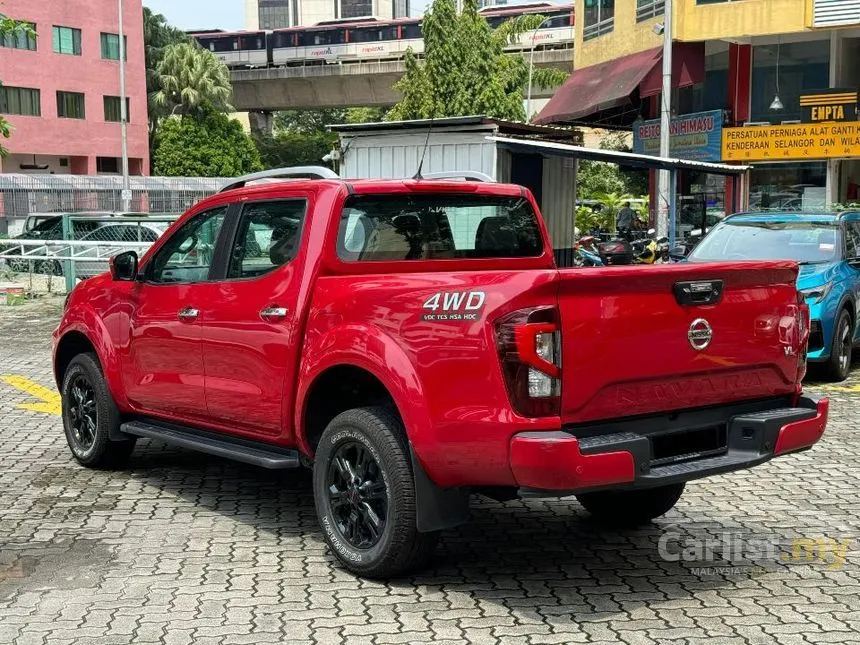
61	90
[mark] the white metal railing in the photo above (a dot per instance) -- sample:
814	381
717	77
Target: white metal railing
647	9
71	250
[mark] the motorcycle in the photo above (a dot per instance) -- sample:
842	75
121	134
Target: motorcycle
651	249
585	252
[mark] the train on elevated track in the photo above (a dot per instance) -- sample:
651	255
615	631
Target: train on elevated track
371	39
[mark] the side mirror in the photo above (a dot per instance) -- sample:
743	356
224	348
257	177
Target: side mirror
123	267
678	253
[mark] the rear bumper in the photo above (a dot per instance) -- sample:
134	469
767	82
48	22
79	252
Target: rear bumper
560	461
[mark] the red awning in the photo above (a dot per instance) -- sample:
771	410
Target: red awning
608	85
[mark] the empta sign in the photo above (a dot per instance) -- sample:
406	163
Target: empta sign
453	306
829	105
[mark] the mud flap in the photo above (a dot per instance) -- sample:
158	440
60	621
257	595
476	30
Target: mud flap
437	508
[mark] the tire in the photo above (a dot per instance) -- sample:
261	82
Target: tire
90	415
369	526
631	508
838	365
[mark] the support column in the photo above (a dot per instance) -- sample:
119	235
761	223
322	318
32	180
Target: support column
740	90
262	123
831	191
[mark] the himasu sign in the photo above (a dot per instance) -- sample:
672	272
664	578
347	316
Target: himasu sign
693	136
802	141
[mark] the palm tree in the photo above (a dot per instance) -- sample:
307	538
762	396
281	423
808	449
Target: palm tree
190	79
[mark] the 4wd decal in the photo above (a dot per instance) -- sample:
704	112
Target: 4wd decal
454	305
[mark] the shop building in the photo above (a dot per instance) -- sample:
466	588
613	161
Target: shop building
61	88
761	77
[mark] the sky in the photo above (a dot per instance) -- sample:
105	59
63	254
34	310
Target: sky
201	14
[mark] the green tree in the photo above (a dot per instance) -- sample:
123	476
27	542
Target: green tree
598	177
465	68
157	36
191	79
10	27
302	137
209	144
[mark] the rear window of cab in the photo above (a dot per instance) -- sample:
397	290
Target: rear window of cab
397	227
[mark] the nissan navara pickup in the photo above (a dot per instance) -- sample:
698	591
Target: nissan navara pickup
413	342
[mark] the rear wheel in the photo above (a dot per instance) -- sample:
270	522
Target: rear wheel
839	364
90	416
633	507
365	495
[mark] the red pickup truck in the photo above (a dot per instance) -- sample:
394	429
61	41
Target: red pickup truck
413	341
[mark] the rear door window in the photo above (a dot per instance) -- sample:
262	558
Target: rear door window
437	226
268	237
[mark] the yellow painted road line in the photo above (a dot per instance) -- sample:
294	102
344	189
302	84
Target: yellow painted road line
48	400
834	388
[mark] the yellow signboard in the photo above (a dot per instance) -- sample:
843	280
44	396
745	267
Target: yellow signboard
784	142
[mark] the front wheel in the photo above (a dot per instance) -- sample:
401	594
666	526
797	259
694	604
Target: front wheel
365	495
839	364
631	508
90	415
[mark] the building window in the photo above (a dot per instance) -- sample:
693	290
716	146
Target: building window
67	40
599	18
356	8
19	39
70	105
113	109
275	14
647	9
802	66
107	165
20	100
110	46
401	9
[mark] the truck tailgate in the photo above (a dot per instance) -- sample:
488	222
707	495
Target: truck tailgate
628	341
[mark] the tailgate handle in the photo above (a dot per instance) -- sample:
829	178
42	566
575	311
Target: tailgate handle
699	292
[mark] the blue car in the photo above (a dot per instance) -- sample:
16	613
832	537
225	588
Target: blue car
827	247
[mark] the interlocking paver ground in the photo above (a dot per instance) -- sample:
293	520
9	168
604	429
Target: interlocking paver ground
185	548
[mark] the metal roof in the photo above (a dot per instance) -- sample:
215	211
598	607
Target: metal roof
503	126
552	148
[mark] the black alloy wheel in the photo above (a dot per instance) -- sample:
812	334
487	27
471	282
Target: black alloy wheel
357	495
83	413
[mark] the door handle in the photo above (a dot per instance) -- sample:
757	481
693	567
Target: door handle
273	314
188	314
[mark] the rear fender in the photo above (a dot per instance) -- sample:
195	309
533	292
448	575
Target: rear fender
370	349
374	351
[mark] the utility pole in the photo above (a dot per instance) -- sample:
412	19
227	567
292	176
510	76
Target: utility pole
126	186
663	183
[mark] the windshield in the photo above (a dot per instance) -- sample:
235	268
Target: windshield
804	242
42	225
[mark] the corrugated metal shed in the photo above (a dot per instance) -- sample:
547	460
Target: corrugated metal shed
394	150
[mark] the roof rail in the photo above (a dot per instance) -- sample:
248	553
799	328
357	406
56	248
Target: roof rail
298	172
468	175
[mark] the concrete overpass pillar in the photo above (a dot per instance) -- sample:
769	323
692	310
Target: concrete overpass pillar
262	122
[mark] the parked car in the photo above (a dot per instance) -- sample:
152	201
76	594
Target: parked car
413	341
49	227
147	232
827	246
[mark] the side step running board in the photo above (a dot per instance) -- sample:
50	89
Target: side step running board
257	454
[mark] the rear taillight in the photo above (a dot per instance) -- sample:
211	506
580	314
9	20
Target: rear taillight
529	346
